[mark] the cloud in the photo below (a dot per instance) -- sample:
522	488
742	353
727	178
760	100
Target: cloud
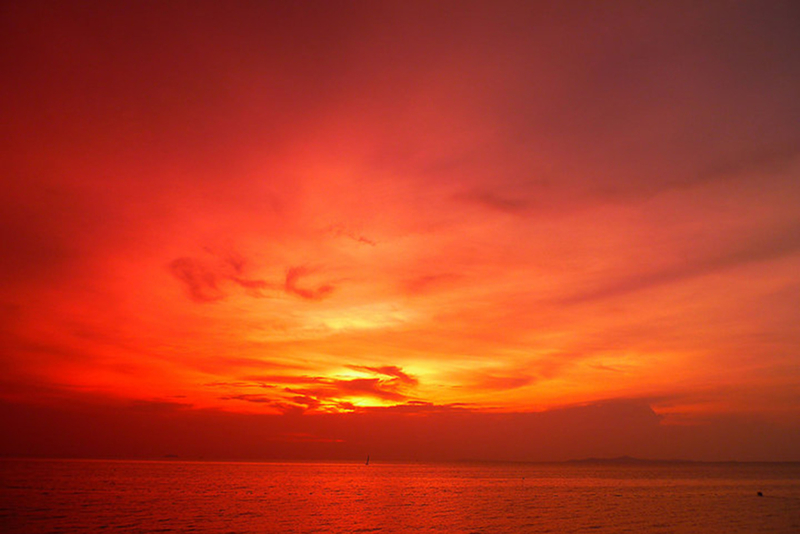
285	379
235	260
429	283
747	166
291	405
204	279
253	284
304	392
374	387
256	288
293	277
388	370
762	159
607	368
769	246
201	283
157	405
334	389
502	383
494	201
341	231
237	385
418	407
259	399
306	401
227	365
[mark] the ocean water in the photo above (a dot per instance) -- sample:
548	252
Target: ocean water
227	497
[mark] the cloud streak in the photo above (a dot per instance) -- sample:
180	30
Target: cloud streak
203	280
782	243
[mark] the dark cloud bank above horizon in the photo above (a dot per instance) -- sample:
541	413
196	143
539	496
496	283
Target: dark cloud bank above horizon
412	432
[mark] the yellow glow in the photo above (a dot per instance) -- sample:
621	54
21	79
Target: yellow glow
366	317
368	402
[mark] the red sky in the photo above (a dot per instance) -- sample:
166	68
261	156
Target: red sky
516	230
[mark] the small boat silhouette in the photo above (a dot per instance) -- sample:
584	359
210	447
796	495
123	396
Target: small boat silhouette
367	460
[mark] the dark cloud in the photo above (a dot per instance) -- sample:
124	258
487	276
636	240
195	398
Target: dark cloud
411	431
758	159
259	399
494	201
418	407
763	163
157	406
781	243
285	379
236	385
293	404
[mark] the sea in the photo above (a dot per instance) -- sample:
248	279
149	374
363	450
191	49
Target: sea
38	496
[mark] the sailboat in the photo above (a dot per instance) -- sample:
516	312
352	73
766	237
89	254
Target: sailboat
367	460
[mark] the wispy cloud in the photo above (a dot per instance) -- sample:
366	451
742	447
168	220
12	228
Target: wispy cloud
341	231
388	370
357	387
292	284
427	283
204	280
496	201
768	246
200	282
259	399
418	407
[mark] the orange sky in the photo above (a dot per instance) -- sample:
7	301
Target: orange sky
456	213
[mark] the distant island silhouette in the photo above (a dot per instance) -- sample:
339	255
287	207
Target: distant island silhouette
628	460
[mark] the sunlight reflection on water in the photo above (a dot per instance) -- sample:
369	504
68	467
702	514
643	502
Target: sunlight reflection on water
117	496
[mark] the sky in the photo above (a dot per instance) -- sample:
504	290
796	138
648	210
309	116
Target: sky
417	230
